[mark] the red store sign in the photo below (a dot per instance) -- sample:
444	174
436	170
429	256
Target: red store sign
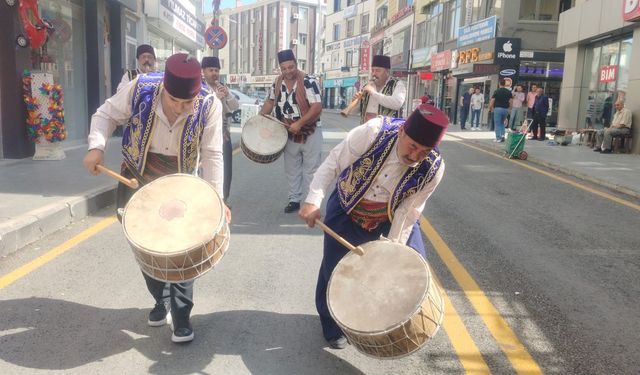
441	61
364	56
631	10
608	73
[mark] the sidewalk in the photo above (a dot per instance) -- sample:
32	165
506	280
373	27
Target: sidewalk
41	197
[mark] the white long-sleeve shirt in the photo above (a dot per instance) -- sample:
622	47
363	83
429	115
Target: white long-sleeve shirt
393	101
356	143
166	137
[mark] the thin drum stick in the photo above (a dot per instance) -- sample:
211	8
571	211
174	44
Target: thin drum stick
356	249
132	183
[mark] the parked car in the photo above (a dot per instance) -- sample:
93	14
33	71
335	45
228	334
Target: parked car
242	99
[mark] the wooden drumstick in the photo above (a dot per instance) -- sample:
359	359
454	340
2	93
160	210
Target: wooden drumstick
356	249
132	183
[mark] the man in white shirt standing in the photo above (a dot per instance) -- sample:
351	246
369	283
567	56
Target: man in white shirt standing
477	101
185	120
146	57
211	74
383	95
368	201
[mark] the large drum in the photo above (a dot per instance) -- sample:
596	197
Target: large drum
263	139
385	301
177	227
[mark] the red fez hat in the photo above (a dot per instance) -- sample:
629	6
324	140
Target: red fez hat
210	62
381	61
426	125
145	48
286	55
182	76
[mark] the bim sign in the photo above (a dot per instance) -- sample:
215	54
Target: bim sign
631	10
608	73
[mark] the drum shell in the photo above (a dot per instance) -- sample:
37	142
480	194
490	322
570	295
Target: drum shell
185	266
405	337
263	139
188	263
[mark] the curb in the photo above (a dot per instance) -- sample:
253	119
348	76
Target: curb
34	225
557	168
39	223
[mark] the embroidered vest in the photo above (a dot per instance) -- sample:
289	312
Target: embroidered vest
384	111
132	73
136	138
356	180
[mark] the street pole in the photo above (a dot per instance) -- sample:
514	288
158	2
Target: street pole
215	21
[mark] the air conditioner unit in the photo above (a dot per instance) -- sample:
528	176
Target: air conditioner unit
253	20
295	16
384	22
294	41
253	45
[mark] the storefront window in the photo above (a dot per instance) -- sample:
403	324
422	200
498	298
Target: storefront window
539	10
606	74
64	57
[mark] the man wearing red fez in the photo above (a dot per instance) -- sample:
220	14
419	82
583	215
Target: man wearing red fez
298	103
211	74
373	199
172	122
146	56
383	95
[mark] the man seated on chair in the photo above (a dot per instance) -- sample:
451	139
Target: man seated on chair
621	125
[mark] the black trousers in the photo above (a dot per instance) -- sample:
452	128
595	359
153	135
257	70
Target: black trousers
539	120
177	295
227	157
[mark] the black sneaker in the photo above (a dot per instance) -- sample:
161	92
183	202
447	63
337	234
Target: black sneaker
292	207
338	342
182	335
159	316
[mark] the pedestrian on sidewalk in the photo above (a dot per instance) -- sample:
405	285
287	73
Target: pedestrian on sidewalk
367	201
465	104
477	101
516	108
500	105
295	97
531	100
186	123
540	110
621	125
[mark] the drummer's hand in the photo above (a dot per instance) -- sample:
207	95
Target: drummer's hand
294	128
227	214
309	213
92	159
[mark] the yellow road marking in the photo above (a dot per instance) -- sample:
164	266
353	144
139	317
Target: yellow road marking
466	350
599	193
516	353
22	271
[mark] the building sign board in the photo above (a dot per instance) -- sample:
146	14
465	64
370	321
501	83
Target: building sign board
608	73
181	15
507	51
476	32
631	10
441	61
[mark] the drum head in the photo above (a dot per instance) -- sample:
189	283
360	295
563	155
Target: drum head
263	135
172	214
379	290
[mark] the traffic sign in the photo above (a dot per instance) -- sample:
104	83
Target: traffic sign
216	37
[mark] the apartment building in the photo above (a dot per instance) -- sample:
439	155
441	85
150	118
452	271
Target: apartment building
258	31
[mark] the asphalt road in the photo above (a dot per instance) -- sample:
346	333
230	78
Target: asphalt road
547	281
